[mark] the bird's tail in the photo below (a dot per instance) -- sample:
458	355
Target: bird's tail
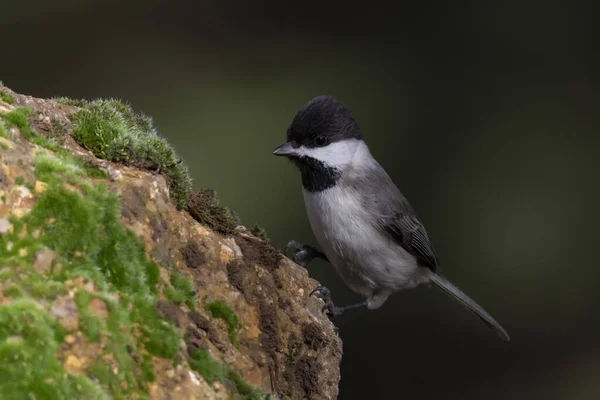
469	303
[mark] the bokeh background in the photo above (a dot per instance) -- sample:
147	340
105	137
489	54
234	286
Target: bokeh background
483	113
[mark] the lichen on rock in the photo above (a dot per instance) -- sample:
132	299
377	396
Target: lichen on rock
116	281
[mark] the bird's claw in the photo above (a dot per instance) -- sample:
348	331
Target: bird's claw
324	294
321	292
302	254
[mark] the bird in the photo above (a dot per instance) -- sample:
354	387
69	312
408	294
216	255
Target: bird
363	224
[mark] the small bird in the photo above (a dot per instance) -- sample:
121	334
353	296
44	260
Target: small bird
366	228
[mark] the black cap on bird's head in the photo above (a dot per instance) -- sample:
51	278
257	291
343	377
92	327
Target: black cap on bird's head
322	121
323	140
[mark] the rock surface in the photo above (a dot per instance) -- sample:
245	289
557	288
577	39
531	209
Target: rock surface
276	342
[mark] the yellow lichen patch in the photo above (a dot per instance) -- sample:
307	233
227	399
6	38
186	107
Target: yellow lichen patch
202	230
226	254
70	339
250	317
9	144
74	364
40	187
21	201
5	108
4	210
78	353
151	207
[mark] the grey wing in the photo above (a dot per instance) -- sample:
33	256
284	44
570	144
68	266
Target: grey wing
398	220
409	232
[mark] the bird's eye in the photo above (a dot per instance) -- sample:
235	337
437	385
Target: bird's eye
320	141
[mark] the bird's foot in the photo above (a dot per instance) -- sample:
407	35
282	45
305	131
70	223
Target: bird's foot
302	254
324	294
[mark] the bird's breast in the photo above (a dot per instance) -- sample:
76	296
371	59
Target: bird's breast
337	219
349	236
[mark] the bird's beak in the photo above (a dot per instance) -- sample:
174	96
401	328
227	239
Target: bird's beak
285	149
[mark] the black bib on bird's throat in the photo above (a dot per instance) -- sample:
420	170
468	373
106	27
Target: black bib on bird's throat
316	175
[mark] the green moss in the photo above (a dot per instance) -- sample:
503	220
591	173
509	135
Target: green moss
38	287
89	223
65	165
47	167
71	165
71	102
161	337
83	228
113	131
141	121
89	324
103	131
222	310
19	180
29	338
92	170
3	131
13	291
208	367
5	97
246	390
212	370
182	290
20	119
4	146
204	207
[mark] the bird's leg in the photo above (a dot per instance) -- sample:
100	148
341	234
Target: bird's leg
324	294
304	253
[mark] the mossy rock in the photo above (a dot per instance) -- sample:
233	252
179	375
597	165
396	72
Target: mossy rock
104	255
113	131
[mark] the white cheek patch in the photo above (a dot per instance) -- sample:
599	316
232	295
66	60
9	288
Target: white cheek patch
337	154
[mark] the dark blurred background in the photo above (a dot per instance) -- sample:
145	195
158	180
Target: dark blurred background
483	114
